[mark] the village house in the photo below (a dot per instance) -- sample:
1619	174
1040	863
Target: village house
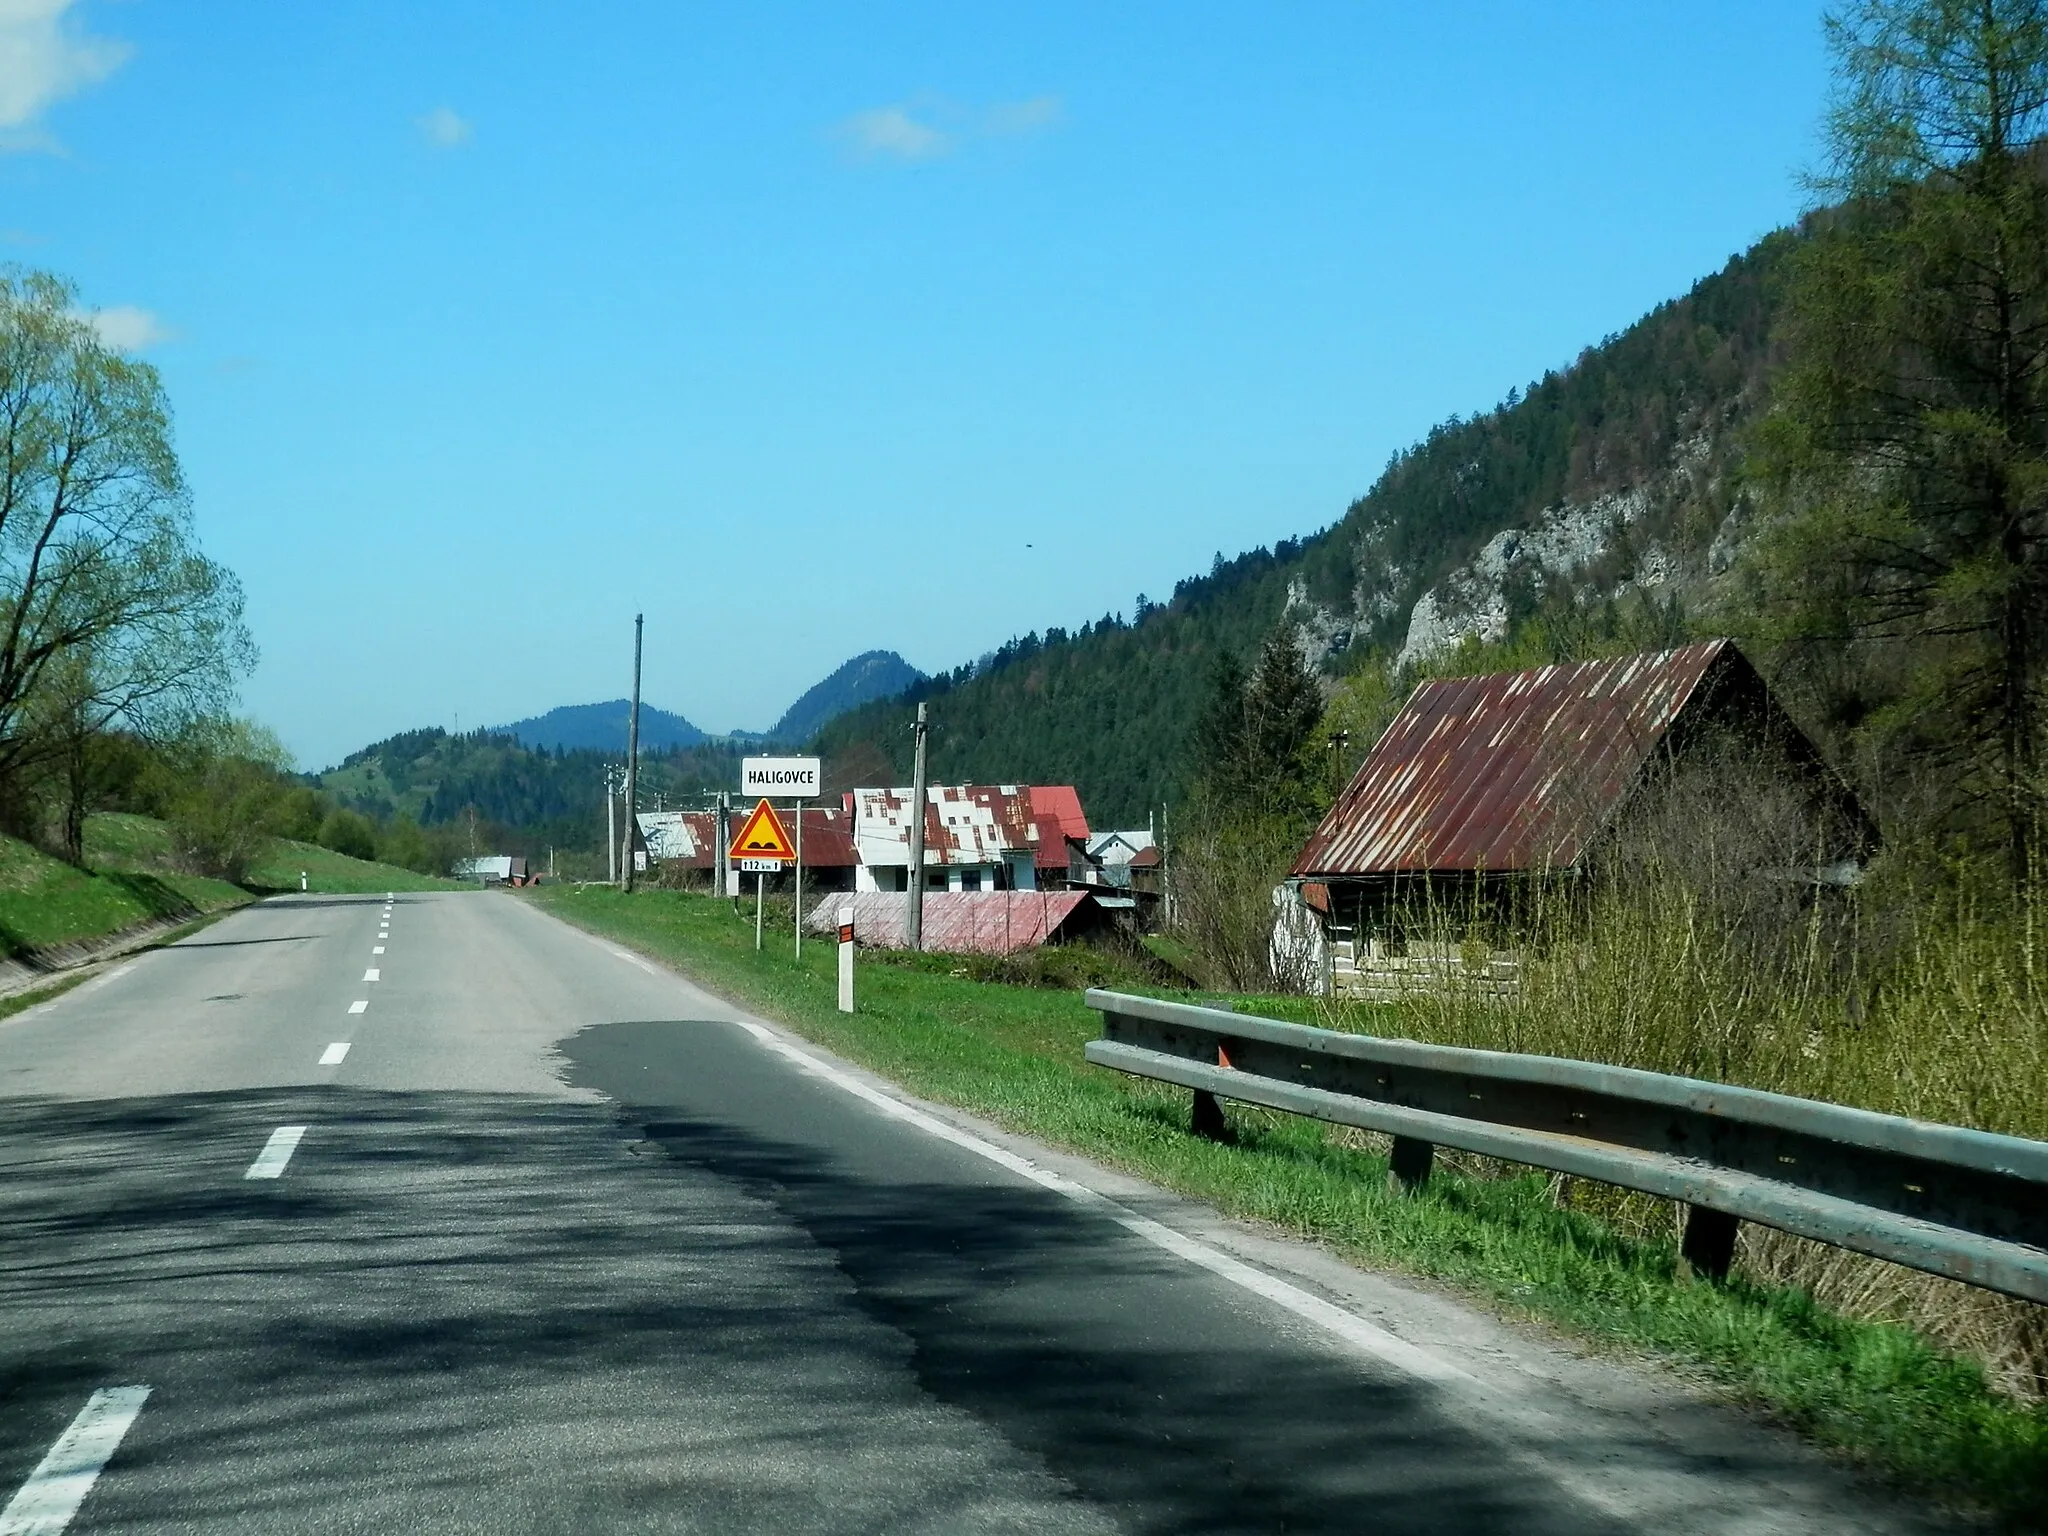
977	837
1128	861
1484	786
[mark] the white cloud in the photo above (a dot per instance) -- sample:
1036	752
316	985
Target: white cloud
893	131
444	129
43	59
930	126
126	328
1034	115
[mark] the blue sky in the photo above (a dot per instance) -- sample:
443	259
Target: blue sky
813	329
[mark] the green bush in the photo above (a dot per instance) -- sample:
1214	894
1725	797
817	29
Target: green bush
346	832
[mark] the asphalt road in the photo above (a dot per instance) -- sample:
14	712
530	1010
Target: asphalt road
566	1244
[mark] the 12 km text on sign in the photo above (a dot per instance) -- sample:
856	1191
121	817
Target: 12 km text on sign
790	778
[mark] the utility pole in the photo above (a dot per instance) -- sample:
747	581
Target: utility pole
611	829
913	912
724	848
632	760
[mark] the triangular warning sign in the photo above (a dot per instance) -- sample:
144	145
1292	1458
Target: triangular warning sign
762	837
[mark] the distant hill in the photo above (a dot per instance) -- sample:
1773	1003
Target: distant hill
601	728
543	794
869	676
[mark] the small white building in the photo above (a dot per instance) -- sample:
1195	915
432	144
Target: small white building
672	835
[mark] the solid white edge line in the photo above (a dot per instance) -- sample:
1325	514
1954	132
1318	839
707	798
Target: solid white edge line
277	1152
44	1505
360	1005
335	1054
1354	1330
633	959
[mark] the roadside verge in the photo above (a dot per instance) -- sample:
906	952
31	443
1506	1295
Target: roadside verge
1012	1055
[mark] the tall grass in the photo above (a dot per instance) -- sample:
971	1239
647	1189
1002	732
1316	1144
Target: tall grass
1914	996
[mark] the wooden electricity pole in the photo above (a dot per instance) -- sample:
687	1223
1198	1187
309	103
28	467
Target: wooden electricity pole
632	760
913	914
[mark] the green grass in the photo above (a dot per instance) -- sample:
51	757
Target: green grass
144	843
21	1002
337	873
44	901
1013	1055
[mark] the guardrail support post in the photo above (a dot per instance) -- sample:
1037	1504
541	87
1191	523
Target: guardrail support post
1410	1165
1208	1118
1709	1241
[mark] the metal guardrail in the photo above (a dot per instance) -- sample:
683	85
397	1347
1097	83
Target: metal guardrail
1970	1205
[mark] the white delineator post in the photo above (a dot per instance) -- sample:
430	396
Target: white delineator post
846	967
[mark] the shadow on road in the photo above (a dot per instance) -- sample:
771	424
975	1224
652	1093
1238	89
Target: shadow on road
458	1297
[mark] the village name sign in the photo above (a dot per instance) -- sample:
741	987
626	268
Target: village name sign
794	778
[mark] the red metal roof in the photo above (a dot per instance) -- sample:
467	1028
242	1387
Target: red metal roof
828	838
1513	771
955	922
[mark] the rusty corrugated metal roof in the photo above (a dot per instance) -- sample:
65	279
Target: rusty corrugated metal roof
1513	771
955	922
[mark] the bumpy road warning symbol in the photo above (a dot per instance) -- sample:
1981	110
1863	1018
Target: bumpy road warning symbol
762	837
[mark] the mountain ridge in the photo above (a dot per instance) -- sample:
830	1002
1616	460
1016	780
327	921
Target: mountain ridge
1609	479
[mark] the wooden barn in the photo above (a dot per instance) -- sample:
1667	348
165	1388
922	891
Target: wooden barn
1484	786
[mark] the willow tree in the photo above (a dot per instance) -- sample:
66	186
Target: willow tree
110	617
1909	435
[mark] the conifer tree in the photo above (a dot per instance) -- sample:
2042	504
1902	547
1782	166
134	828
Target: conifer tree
1909	439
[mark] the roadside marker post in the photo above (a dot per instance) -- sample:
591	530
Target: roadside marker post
846	967
798	778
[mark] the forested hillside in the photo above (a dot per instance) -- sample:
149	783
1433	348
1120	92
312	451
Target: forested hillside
523	799
600	728
1633	439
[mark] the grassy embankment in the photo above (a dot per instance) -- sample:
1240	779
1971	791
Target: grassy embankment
44	901
141	843
130	878
1013	1054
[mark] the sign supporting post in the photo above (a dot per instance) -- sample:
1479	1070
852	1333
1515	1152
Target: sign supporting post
762	847
799	879
846	967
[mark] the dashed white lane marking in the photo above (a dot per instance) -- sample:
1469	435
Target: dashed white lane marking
372	974
332	1056
360	1005
1389	1347
276	1152
376	949
45	1503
